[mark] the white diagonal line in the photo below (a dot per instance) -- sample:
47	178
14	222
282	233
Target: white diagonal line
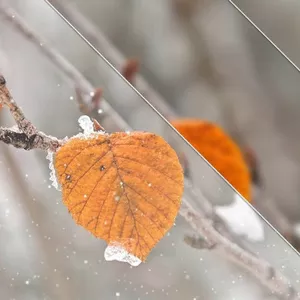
262	33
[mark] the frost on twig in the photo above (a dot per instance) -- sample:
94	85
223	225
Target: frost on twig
185	9
272	279
88	98
26	136
213	240
242	219
203	226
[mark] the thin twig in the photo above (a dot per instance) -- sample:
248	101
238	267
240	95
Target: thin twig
97	38
204	227
58	60
110	53
84	88
271	212
208	212
267	207
267	275
27	136
260	269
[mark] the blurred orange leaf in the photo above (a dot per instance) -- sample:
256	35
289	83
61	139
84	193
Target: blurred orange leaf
219	150
123	188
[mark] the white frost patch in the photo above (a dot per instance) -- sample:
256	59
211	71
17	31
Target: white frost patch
242	219
117	252
53	177
86	124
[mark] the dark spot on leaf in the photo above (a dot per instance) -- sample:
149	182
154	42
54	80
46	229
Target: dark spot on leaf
68	177
120	207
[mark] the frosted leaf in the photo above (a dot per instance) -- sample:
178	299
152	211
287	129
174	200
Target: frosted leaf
15	128
88	129
242	219
53	177
117	252
86	124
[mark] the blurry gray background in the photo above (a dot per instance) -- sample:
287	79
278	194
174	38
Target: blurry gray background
208	62
205	61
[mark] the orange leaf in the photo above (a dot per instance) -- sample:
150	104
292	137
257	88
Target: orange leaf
220	151
123	188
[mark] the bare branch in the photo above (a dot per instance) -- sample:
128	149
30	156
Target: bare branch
109	52
85	89
212	239
27	137
96	37
260	269
185	9
58	60
28	142
203	226
268	208
6	99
